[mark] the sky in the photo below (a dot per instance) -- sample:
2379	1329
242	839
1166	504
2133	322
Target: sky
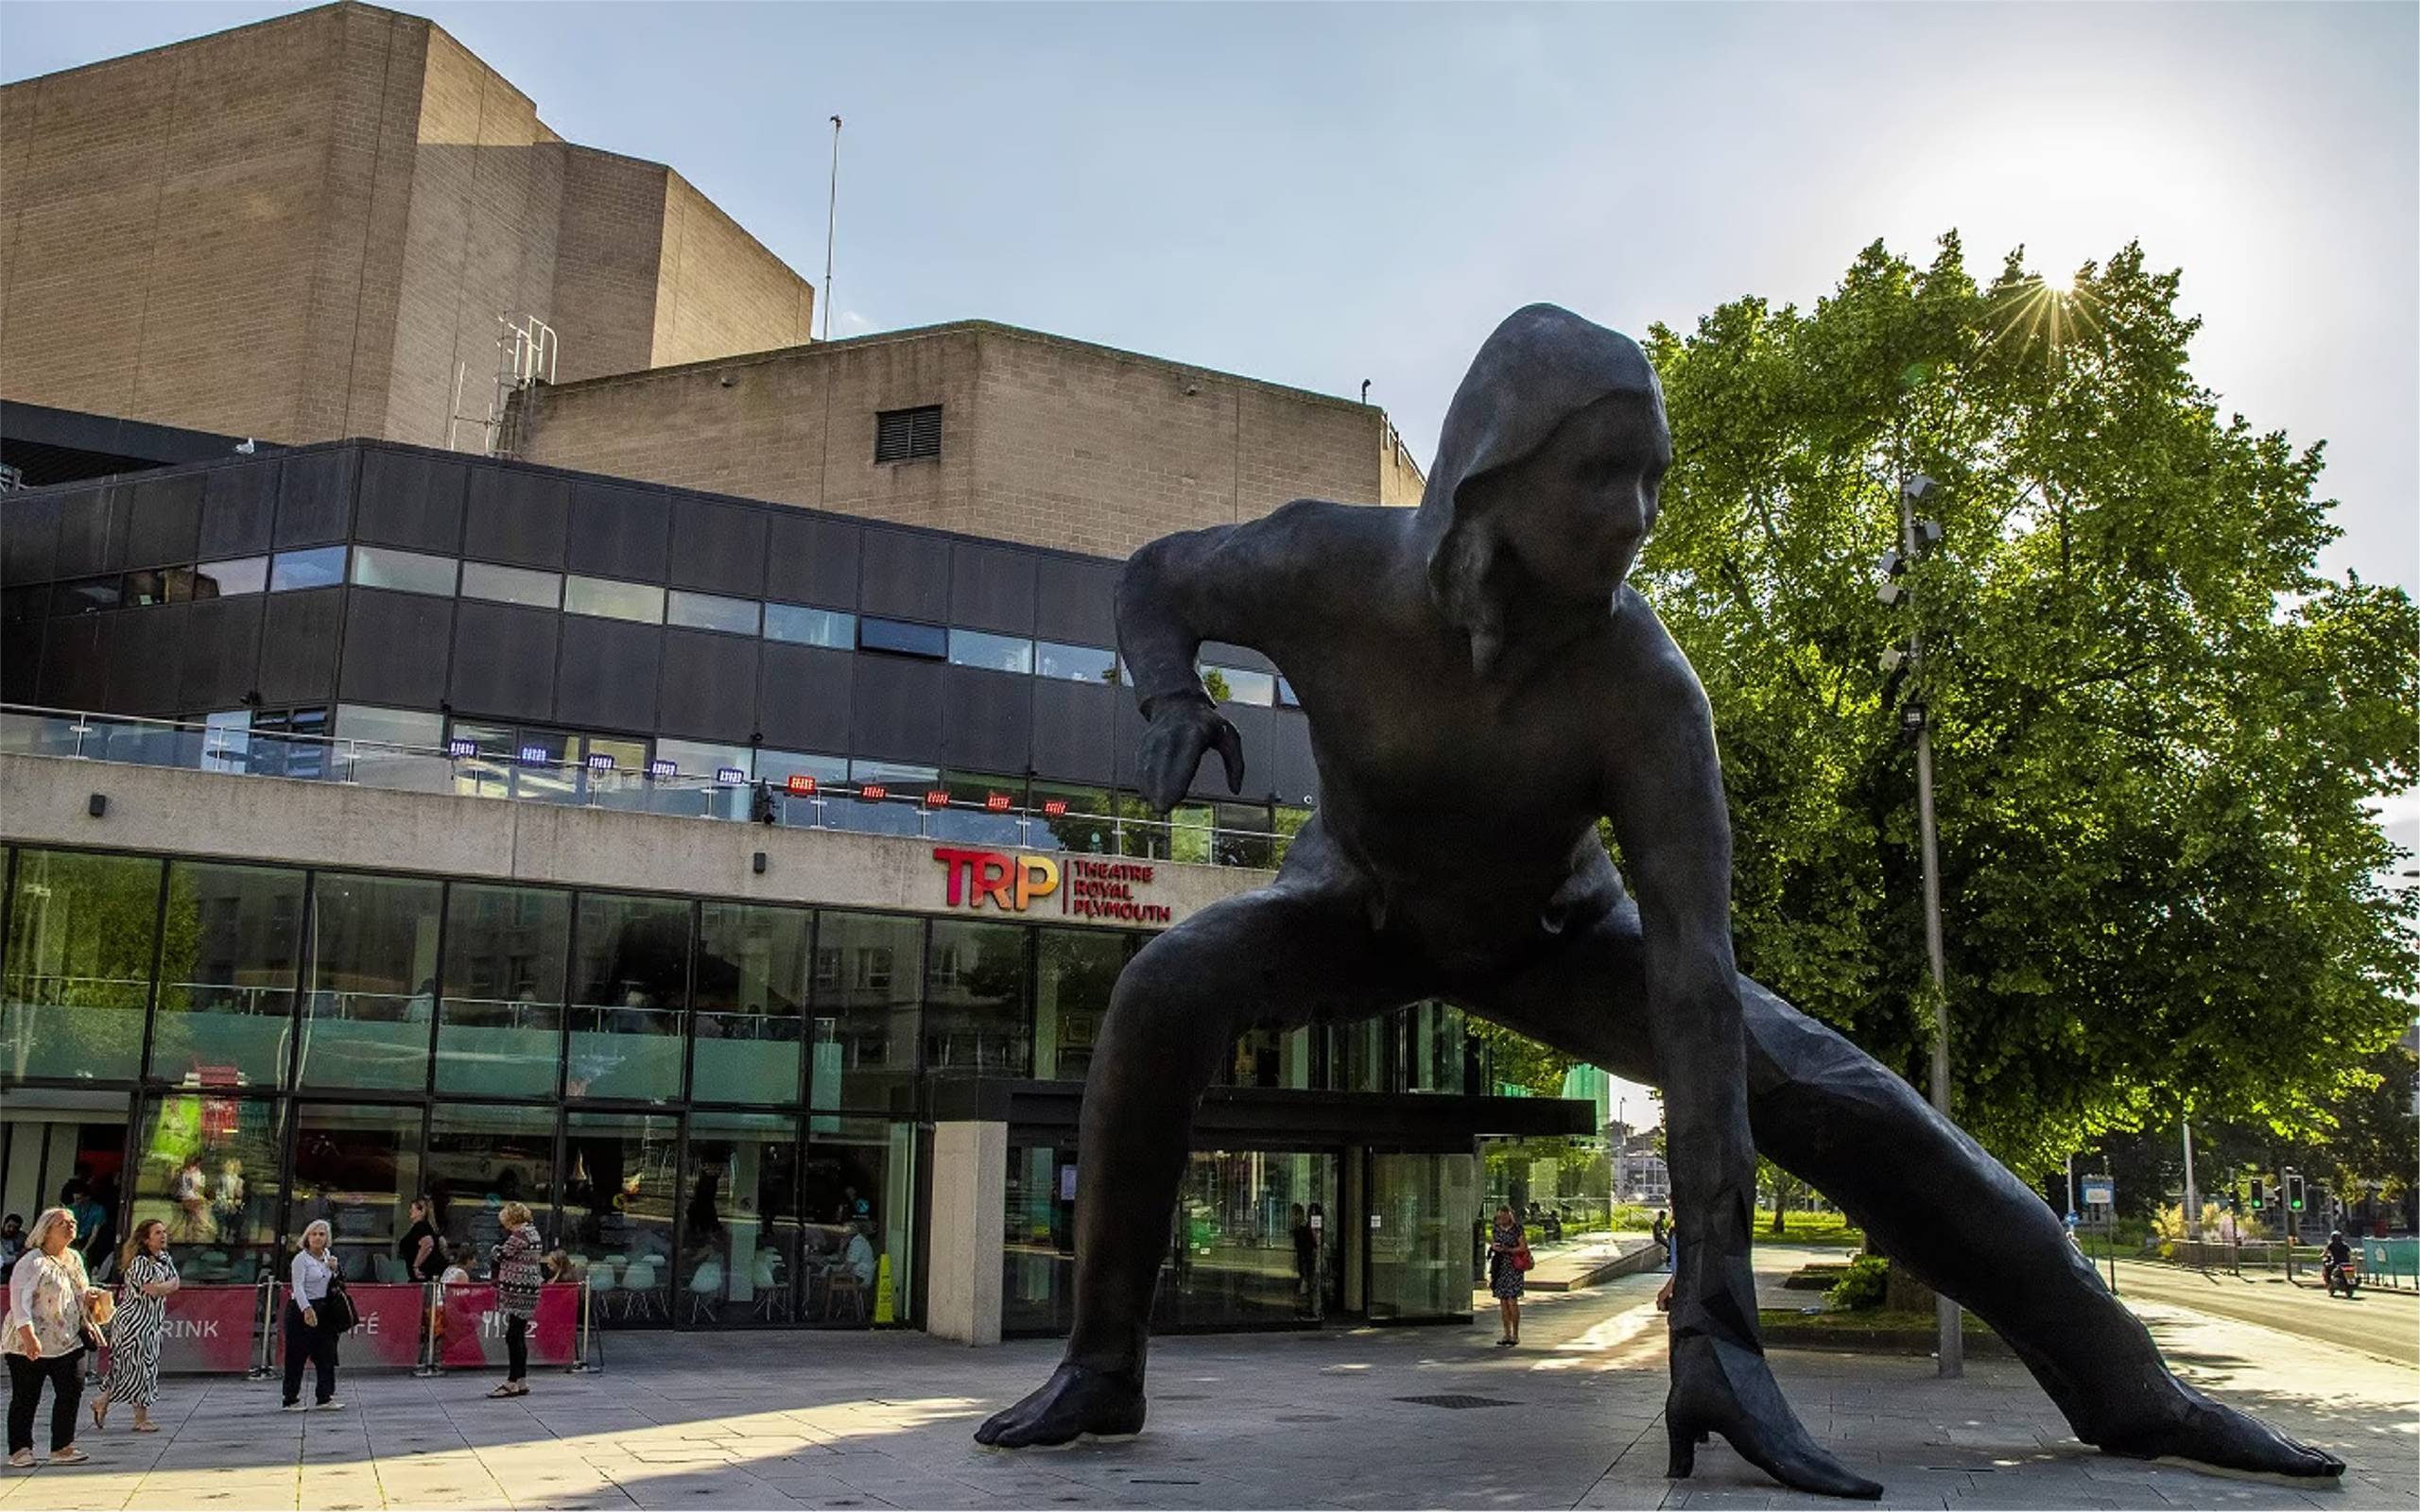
1320	195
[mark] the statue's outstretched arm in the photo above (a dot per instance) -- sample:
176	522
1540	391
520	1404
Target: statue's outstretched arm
1249	584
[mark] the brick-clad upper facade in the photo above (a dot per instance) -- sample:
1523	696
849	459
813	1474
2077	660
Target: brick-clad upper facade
297	229
1044	440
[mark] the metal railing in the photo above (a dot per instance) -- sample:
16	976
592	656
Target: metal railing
914	810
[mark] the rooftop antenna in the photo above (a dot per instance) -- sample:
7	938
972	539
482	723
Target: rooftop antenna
831	213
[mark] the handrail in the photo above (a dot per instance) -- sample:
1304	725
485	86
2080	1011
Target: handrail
923	808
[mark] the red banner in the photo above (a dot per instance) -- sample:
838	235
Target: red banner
388	1331
473	1330
210	1329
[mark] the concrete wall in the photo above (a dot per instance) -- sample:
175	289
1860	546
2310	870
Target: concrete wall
722	292
963	1282
1044	440
42	801
296	229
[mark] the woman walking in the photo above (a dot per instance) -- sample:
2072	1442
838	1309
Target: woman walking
518	1276
46	1330
1508	1254
148	1276
310	1272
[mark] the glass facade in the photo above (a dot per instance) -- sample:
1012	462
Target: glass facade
709	1105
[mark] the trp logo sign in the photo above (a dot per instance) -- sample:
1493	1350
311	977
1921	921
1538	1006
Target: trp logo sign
1013	883
1010	882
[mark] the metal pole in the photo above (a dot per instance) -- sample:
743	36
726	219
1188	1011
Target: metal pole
1951	1346
831	225
2071	1184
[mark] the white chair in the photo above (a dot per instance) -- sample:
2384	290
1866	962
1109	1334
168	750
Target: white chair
604	1285
772	1301
638	1288
705	1289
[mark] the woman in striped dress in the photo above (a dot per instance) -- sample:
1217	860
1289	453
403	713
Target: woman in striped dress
141	1317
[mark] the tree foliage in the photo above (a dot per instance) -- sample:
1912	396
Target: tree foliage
2156	728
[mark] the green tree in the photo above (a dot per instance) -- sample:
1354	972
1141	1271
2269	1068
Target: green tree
2158	728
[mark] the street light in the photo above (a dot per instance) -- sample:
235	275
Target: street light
1915	535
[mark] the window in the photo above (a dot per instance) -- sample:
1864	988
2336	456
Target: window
208	1167
1237	686
406	571
511	584
372	978
320	567
866	998
983	809
902	638
1000	653
162	585
86	596
358	1167
749	998
1073	819
907	435
1074	971
1286	697
739	1230
233	939
860	1182
642	603
630	971
390	727
801	626
775	768
901	814
620	1183
80	931
499	1031
225	579
707	611
1075	664
288	743
479	1158
976	1021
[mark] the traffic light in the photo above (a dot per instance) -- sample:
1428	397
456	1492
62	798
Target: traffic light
2259	1194
2294	1191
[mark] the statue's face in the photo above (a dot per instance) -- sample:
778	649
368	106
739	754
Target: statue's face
1574	512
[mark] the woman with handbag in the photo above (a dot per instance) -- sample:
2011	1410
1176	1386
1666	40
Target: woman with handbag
48	1324
1507	1259
316	1315
148	1276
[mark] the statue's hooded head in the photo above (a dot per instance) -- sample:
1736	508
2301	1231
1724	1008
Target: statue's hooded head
1545	477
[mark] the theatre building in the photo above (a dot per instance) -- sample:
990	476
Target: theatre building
624	756
738	883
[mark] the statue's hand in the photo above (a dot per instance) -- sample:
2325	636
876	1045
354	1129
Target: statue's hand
1184	728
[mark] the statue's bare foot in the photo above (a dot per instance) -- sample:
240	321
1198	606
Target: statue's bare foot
1073	1402
2212	1433
1729	1390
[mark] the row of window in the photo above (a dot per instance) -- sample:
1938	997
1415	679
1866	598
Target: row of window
715	1219
413	572
224	976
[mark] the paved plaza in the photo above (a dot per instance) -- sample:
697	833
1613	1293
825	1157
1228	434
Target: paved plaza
1383	1417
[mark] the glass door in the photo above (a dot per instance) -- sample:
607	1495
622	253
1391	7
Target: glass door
1423	1209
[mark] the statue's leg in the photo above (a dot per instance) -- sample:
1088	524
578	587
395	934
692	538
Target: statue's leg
1934	1200
1276	958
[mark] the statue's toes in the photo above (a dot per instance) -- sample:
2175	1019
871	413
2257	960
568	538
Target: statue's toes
2213	1434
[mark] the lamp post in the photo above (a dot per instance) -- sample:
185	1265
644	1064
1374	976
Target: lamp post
1914	536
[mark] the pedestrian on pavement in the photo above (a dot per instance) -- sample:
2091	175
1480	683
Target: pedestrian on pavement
1508	1257
1307	1249
146	1276
1661	1234
310	1272
47	1331
517	1280
12	1242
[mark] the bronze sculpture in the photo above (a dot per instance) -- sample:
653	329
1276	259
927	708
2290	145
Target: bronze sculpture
1497	619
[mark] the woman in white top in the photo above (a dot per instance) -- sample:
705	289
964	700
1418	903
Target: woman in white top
309	1272
46	1331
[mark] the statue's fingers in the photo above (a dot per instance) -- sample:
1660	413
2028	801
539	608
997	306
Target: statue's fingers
1230	751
